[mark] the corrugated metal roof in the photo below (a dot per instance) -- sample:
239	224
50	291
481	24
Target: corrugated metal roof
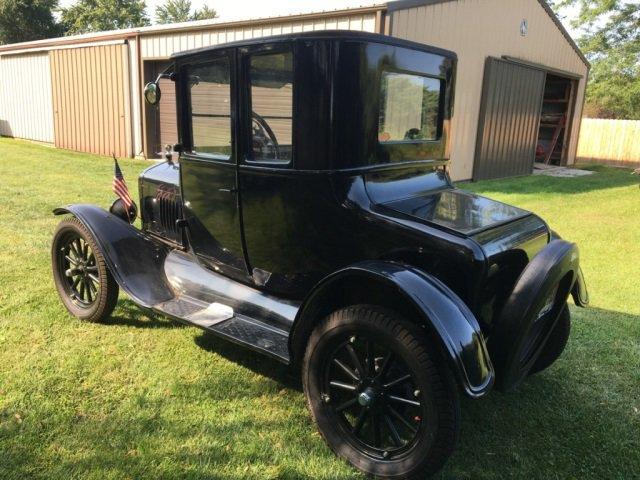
183	27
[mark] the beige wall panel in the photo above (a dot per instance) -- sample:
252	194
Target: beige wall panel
475	30
26	98
92	99
163	45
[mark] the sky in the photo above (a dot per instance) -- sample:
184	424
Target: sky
229	10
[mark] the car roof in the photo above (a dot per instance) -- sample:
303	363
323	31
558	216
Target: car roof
319	36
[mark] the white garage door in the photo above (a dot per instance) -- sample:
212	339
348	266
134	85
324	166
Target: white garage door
26	103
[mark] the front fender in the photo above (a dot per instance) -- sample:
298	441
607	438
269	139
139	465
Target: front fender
135	260
442	312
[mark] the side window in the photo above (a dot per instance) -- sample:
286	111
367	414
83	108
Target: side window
409	108
271	81
210	96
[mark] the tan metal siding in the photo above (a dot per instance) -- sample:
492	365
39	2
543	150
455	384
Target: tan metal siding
475	30
91	99
164	45
25	97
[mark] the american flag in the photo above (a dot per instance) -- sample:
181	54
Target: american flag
119	187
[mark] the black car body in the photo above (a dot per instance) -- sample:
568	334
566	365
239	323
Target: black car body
300	191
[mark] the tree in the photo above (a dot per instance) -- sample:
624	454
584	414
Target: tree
205	13
176	11
24	20
99	15
611	41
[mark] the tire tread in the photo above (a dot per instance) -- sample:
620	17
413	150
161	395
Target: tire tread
444	388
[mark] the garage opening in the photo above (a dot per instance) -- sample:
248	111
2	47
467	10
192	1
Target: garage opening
555	119
160	120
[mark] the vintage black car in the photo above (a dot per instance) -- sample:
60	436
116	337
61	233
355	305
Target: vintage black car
311	218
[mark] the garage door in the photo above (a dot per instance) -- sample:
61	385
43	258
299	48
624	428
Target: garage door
509	119
91	101
25	97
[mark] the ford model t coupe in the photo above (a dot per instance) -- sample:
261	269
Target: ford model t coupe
311	218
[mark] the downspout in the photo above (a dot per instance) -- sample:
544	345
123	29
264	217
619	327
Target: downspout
143	114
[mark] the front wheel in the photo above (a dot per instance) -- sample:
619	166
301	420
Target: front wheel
378	395
85	284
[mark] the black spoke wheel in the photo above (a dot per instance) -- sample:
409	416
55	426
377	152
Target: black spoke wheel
378	397
82	278
77	264
374	395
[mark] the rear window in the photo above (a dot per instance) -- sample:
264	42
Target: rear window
409	108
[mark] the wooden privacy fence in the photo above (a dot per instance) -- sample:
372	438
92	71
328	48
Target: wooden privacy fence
614	142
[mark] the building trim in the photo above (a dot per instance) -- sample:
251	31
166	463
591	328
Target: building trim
195	26
540	66
62	47
564	32
404	4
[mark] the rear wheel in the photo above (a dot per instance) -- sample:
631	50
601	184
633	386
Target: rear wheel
555	344
378	396
85	285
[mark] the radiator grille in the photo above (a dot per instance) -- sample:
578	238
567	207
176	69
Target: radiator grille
168	209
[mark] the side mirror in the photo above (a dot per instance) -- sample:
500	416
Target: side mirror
152	93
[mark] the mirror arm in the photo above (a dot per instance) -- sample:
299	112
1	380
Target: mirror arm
171	76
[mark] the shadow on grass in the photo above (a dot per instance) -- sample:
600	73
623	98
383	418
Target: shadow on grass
603	178
285	375
129	314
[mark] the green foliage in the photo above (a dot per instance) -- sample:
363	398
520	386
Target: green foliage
25	20
205	13
177	11
100	15
611	41
144	397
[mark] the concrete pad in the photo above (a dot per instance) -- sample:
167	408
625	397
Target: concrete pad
556	171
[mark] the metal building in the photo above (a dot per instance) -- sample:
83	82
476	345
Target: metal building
518	96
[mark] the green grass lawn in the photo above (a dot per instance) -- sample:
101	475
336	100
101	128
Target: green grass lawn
144	397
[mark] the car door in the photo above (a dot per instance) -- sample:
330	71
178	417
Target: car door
280	237
209	164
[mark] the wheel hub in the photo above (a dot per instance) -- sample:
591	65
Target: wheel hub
367	397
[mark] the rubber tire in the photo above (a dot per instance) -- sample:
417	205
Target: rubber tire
101	309
436	379
556	343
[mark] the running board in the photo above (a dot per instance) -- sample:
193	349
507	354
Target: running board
221	320
227	308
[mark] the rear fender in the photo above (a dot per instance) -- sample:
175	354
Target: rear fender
445	316
579	290
134	259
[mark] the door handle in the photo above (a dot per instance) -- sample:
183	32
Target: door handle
228	190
